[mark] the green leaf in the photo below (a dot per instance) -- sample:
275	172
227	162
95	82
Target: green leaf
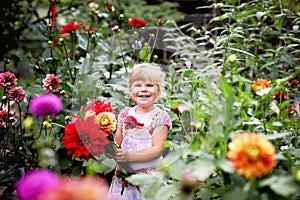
281	185
82	41
235	193
145	53
225	165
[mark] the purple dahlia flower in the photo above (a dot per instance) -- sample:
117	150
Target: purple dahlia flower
45	104
35	182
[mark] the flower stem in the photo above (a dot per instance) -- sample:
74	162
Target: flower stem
68	64
155	39
122	55
87	49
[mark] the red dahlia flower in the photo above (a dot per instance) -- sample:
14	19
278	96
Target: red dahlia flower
136	22
99	106
176	109
69	28
294	83
279	96
84	139
252	155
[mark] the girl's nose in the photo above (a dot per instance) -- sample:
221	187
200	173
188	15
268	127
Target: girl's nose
143	88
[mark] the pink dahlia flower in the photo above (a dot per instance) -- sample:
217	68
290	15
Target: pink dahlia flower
35	183
51	82
17	94
7	118
8	80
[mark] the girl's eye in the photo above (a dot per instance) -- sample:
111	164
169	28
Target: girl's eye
137	85
149	85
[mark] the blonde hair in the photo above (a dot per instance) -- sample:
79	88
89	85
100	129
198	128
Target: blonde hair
147	72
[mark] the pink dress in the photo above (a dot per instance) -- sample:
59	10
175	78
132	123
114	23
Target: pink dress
137	131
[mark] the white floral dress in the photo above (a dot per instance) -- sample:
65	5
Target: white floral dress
137	131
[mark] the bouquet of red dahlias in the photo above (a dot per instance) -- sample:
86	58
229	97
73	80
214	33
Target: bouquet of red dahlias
91	131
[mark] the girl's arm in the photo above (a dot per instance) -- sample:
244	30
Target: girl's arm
160	134
118	137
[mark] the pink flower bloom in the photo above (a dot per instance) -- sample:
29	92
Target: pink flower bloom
35	183
17	94
83	188
8	80
7	118
45	104
51	82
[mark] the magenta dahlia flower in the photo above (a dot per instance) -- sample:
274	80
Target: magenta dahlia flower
45	104
8	80
17	94
35	183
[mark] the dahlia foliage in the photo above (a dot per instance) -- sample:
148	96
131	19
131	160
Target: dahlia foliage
87	135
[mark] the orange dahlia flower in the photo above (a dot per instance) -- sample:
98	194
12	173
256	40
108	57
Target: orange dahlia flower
260	84
107	121
252	155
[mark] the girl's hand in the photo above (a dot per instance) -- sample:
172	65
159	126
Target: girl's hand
121	155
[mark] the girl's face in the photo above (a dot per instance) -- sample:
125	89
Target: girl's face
144	93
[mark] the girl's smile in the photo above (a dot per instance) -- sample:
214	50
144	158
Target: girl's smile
144	93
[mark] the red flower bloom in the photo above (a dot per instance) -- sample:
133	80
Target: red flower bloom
279	96
84	139
51	82
136	22
110	7
69	28
176	109
289	110
294	83
17	94
54	12
98	107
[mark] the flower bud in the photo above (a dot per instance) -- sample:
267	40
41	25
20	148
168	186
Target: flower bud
232	58
298	175
28	123
189	182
